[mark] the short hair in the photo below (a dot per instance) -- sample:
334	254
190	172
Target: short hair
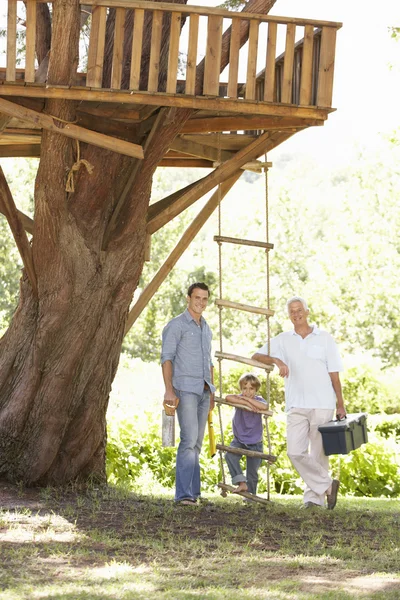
296	299
198	284
250	378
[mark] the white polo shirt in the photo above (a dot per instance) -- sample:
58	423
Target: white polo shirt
310	360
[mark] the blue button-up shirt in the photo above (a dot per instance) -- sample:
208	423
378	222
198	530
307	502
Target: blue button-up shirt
187	345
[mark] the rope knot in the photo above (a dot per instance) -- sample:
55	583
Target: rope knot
70	185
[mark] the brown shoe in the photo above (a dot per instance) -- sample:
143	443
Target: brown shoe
332	497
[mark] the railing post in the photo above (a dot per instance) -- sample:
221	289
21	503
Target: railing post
326	67
96	47
306	66
30	41
269	84
288	64
11	40
213	56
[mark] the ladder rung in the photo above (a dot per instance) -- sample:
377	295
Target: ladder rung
239	306
231	240
230	488
244	360
242	451
266	412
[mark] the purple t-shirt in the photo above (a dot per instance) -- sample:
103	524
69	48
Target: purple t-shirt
247	426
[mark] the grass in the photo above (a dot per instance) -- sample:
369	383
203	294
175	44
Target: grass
112	544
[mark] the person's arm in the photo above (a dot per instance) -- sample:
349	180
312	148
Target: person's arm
169	395
337	386
271	360
252	403
257	405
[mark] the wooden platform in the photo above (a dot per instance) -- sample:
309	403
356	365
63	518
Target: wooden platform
292	92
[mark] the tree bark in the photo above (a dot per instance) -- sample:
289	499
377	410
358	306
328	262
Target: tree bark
61	351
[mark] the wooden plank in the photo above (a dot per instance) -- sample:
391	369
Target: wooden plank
96	47
288	65
242	122
19	150
173	54
250	92
244	107
179	249
242	451
269	84
119	33
30	41
306	66
206	10
11	40
253	497
9	209
213	56
70	130
266	412
192	55
136	60
326	67
256	310
234	59
154	66
231	240
243	359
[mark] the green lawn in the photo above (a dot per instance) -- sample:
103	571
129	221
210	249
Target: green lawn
111	544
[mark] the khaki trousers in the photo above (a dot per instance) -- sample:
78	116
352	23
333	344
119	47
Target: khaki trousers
305	450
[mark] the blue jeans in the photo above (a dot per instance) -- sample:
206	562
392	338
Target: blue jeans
252	465
192	414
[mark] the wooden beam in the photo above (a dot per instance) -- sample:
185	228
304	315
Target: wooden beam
199	150
186	163
244	123
70	130
179	249
19	150
206	10
11	213
230	488
261	145
162	99
244	360
244	452
266	412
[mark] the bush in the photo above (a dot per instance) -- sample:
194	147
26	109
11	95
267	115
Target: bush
363	391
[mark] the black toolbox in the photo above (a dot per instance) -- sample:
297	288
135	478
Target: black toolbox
341	437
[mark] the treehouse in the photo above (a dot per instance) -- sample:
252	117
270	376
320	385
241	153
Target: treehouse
249	80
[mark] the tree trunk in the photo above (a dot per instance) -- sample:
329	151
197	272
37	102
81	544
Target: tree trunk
61	351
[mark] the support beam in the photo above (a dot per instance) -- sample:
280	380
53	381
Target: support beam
261	145
179	249
248	107
245	123
69	130
9	209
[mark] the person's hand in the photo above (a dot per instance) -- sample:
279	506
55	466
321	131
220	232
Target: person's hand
340	412
283	368
170	403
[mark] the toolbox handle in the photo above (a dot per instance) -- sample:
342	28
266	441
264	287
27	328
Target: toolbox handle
340	418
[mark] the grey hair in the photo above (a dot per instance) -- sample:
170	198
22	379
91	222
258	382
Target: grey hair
296	299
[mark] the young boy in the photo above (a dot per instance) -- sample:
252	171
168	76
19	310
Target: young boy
248	432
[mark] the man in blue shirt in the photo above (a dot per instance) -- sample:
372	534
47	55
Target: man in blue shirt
188	377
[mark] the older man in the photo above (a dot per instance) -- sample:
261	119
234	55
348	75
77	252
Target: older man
188	377
309	360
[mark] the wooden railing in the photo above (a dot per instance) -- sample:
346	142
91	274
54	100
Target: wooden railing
301	75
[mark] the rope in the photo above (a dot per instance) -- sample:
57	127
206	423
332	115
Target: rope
221	426
70	185
268	383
